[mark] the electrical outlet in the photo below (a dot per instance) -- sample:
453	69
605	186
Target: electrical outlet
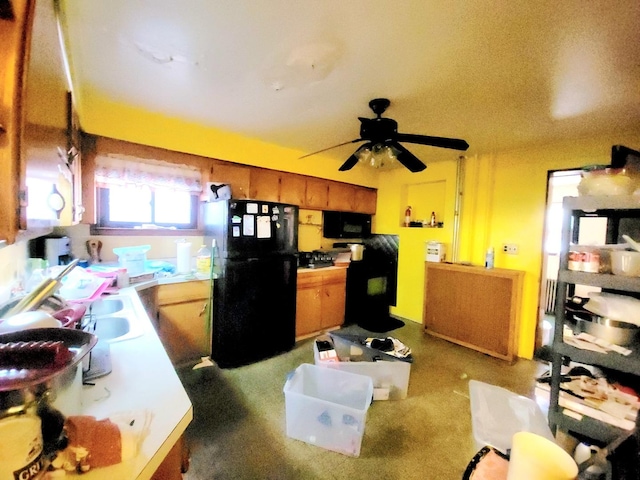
510	248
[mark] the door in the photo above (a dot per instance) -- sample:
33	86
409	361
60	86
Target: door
254	311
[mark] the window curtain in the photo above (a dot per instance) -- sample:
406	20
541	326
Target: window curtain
122	170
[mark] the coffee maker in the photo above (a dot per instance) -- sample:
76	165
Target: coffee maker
56	250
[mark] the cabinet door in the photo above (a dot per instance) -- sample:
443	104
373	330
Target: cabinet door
342	197
13	38
265	185
237	176
333	298
308	303
292	189
183	329
317	194
365	200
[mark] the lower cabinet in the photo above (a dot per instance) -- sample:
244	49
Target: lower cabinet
182	320
175	463
320	301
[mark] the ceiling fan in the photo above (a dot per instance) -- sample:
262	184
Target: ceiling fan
382	138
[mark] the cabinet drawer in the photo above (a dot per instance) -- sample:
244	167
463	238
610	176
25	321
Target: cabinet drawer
182	292
335	276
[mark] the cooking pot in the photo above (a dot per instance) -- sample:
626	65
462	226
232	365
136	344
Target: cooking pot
605	328
357	252
61	385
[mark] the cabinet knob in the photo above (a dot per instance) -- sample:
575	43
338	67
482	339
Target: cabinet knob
2	128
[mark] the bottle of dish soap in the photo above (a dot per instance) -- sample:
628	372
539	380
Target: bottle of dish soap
203	260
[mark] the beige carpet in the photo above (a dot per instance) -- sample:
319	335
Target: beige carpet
239	427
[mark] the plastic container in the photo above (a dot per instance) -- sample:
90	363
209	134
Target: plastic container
601	180
624	262
132	258
390	379
203	260
489	257
327	407
498	414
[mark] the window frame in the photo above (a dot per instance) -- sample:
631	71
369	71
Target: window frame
104	227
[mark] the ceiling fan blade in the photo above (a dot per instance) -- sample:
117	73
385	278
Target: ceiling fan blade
408	159
329	148
453	143
353	159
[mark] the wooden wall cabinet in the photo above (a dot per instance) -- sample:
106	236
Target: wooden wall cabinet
293	189
264	184
182	320
320	302
239	177
365	200
342	197
15	35
317	194
475	307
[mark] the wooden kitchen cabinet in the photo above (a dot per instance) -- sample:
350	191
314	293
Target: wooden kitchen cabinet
474	306
293	189
182	320
366	200
342	197
264	185
238	176
317	194
320	301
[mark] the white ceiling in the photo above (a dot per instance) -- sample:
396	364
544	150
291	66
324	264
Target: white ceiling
297	73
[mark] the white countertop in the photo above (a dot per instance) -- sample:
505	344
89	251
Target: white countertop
142	378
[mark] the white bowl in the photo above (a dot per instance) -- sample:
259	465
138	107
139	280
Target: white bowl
27	320
625	262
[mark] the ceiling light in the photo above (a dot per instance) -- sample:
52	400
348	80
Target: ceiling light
379	156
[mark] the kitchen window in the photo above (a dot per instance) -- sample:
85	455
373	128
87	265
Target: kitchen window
145	195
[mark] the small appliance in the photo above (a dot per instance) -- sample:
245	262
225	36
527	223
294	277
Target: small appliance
56	250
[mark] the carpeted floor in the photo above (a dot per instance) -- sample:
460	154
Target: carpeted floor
238	431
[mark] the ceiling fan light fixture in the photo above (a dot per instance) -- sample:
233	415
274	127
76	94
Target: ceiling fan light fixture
380	155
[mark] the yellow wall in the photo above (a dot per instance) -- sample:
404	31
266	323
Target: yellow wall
503	194
102	117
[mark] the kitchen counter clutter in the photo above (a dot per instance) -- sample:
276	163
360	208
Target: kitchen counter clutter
142	382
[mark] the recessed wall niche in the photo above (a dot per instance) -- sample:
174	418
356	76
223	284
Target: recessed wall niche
424	198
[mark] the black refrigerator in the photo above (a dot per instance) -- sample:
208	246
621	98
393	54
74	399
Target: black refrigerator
254	295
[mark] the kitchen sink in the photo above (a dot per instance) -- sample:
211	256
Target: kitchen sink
111	328
106	306
113	319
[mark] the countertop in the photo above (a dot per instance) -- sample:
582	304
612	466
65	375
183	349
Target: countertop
142	378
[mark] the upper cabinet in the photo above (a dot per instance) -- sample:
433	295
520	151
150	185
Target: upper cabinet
14	37
310	192
365	200
317	194
238	176
39	162
265	184
293	189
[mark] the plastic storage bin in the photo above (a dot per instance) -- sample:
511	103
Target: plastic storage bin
132	258
327	407
497	414
390	378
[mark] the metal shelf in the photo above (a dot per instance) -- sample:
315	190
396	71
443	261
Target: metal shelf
611	360
603	280
614	208
599	431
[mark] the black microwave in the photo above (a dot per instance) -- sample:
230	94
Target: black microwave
346	225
